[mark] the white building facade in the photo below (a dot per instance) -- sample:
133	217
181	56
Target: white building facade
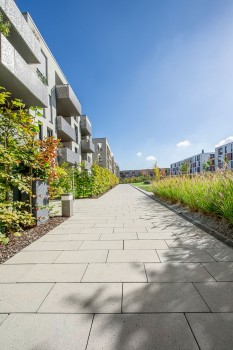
194	164
224	156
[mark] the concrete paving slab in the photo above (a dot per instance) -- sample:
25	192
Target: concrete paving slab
25	297
85	256
67	231
221	271
158	235
100	245
57	245
223	254
97	230
145	244
118	236
124	272
162	297
55	273
109	225
137	332
184	255
133	256
38	257
212	331
130	230
70	237
83	298
217	295
3	317
12	273
201	243
177	272
45	332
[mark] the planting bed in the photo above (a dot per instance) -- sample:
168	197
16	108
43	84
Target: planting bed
28	236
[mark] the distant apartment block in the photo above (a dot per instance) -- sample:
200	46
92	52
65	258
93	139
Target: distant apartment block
103	155
136	173
194	163
224	156
30	72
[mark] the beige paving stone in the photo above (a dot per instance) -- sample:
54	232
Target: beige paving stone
100	245
130	229
162	297
85	256
133	256
221	271
114	272
212	331
83	298
23	297
12	273
184	255
177	272
141	332
97	230
45	332
217	295
145	244
158	235
36	257
223	254
70	237
55	273
109	225
57	245
118	236
3	317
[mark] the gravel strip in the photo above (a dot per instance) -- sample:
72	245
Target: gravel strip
27	237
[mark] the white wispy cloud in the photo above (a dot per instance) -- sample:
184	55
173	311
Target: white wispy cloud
151	158
139	154
223	142
184	143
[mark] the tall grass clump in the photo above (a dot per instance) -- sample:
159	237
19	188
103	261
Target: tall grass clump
209	193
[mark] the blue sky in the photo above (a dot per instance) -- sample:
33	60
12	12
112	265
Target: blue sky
150	74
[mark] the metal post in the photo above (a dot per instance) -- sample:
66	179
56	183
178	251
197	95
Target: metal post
67	205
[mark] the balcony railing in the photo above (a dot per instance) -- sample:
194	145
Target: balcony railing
67	102
14	71
66	155
65	132
21	35
85	126
87	146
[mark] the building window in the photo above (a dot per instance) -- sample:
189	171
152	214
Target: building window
99	147
76	150
49	132
76	133
44	65
40	131
51	109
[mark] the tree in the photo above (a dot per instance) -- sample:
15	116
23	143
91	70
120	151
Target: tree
185	167
156	172
4	26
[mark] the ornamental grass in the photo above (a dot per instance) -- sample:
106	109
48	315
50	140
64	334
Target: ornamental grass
209	193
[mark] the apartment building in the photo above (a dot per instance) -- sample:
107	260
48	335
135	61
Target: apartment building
136	173
104	156
194	163
224	156
30	72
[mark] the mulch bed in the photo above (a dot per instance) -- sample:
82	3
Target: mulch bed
28	236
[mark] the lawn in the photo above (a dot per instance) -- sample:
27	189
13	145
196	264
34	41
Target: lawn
144	187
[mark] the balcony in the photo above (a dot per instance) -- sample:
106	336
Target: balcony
66	155
16	73
21	35
65	132
87	146
85	126
67	102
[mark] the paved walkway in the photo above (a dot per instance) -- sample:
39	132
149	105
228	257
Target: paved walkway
123	273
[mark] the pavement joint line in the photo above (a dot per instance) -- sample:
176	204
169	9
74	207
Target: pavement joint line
192	331
208	271
145	272
193	283
84	272
46	294
90	331
107	256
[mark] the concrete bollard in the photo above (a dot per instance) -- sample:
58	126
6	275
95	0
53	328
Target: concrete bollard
67	205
